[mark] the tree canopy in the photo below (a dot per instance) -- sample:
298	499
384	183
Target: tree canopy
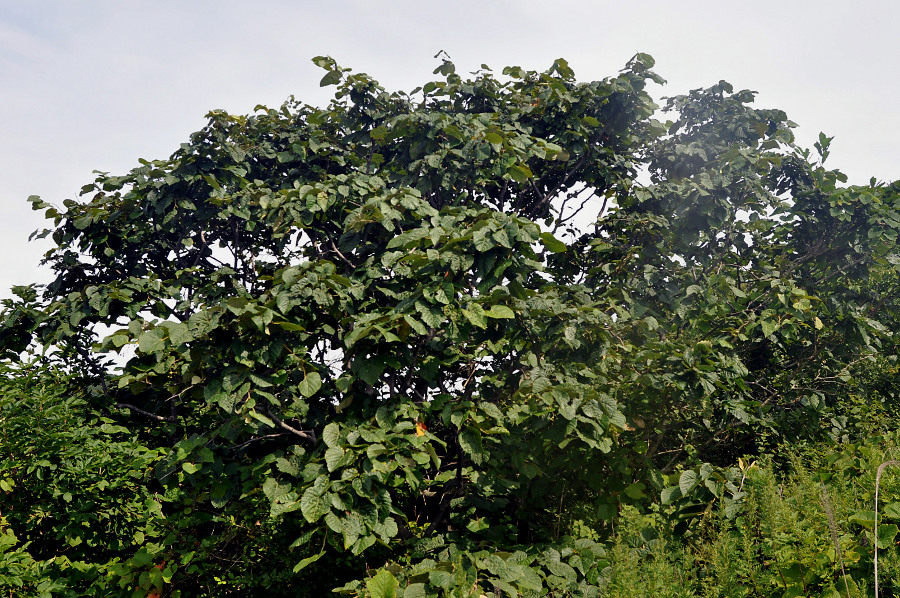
402	330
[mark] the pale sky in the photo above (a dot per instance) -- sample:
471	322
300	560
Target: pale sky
97	84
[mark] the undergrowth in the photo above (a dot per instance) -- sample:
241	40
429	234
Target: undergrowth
804	528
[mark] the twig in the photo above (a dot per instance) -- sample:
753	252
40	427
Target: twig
562	496
578	210
256	438
309	435
341	255
145	413
178	394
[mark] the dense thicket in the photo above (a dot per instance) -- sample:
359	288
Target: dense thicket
439	331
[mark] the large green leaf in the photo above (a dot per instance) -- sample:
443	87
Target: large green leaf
382	585
314	504
500	311
552	243
886	535
310	384
688	481
152	340
470	442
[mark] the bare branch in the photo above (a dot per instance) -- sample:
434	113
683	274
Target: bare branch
257	438
341	255
175	396
579	209
309	435
145	413
577	166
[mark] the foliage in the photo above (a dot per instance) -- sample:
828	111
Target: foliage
74	498
809	533
410	329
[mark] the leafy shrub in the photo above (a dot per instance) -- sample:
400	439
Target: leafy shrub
75	489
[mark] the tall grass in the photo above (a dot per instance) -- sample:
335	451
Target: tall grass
835	539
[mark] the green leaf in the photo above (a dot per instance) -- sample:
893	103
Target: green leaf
179	333
502	238
863	518
226	401
500	312
891	510
369	369
331	435
476	317
310	384
688	481
482	241
261	418
470	442
518	173
383	585
142	558
552	243
333	456
313	504
440	578
886	535
670	495
237	305
334	522
635	491
330	78
414	590
308	561
152	341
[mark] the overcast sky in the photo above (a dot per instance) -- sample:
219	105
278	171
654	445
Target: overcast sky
96	84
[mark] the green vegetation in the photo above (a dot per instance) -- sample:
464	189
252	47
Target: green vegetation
505	335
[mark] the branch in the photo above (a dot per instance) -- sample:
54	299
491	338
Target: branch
257	438
178	394
439	516
578	164
146	413
560	221
309	435
341	255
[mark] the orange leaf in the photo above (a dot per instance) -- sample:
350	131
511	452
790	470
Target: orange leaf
420	429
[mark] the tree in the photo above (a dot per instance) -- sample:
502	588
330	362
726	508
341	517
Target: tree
412	326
